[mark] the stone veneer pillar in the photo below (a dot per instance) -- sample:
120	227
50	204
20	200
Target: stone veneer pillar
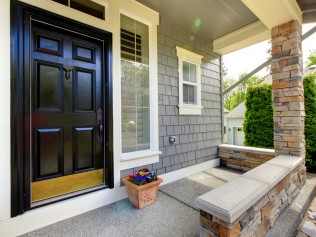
288	90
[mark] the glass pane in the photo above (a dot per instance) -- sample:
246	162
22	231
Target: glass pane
142	87
192	72
129	84
135	85
186	71
129	129
185	94
143	135
64	2
189	94
134	40
89	7
48	79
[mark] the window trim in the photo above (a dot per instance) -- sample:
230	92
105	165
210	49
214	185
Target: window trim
193	58
148	156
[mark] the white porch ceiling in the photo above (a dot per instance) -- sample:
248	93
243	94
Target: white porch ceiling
218	17
232	24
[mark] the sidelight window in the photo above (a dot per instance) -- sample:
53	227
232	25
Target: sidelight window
135	86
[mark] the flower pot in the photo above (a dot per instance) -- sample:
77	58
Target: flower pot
143	195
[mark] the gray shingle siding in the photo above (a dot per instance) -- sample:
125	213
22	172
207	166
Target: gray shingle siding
197	135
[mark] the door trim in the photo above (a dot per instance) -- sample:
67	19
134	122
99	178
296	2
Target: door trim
20	164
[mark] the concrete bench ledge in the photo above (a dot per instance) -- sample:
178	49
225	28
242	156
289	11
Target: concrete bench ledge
247	149
231	200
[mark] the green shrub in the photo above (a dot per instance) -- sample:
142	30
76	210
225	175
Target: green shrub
258	124
310	120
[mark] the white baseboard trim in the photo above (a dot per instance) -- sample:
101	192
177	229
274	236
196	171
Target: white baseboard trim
187	171
53	213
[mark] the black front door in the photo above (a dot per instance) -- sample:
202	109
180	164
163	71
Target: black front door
61	112
66	114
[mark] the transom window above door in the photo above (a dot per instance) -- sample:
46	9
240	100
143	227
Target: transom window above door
87	6
189	82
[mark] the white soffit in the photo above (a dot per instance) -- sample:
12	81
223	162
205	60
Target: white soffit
271	13
275	12
244	37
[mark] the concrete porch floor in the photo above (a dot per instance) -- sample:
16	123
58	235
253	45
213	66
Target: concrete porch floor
174	213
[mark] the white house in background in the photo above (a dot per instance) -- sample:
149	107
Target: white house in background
235	120
226	111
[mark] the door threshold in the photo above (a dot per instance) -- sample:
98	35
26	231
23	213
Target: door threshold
67	196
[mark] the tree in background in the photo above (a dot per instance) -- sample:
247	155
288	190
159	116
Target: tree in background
311	60
310	120
228	82
258	124
237	96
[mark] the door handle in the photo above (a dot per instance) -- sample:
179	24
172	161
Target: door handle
100	127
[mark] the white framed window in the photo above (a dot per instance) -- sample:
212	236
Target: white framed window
139	105
189	64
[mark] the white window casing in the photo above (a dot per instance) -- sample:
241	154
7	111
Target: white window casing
190	81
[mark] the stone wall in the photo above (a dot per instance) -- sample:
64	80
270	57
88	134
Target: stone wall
261	216
242	157
288	90
197	135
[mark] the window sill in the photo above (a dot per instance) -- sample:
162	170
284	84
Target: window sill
190	109
135	159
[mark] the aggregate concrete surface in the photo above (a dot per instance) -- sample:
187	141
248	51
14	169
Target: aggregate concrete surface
172	215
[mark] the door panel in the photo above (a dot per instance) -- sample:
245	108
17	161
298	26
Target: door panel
84	148
48	153
66	92
84	90
49	86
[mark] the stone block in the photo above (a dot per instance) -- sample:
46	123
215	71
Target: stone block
233	232
282	54
282	75
205	232
296	73
294	60
208	224
276	49
266	210
291	99
296	106
280	85
262	228
290	44
281	108
282	63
